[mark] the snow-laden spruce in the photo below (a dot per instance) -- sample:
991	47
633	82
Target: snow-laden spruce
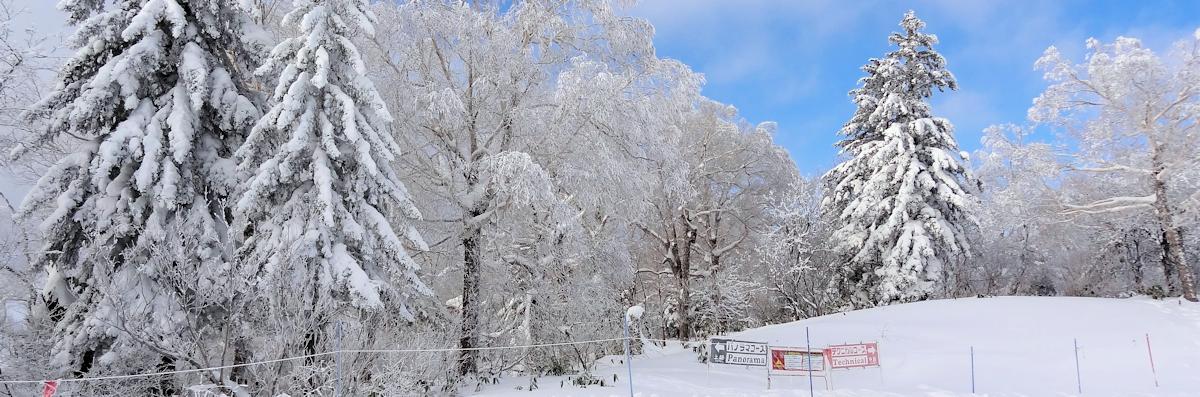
320	193
135	227
901	198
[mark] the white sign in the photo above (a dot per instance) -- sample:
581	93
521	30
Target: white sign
736	352
798	361
795	359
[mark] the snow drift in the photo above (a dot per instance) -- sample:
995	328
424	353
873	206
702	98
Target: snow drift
1024	346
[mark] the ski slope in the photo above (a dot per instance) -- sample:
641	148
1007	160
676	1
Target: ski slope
1024	346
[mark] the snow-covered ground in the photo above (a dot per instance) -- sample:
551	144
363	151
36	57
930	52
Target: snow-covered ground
1023	347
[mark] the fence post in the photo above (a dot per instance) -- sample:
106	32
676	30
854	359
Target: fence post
768	366
628	356
1151	354
1078	378
808	357
972	369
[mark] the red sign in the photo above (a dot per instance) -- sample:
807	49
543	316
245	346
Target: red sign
853	356
50	387
787	359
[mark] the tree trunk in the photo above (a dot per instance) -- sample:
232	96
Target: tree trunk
685	297
714	268
469	336
1169	278
1173	242
241	354
1133	249
1187	281
166	386
1015	286
684	273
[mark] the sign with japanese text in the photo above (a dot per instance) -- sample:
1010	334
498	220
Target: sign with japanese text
736	352
853	355
795	359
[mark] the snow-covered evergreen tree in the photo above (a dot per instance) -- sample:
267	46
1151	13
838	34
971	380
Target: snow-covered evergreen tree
901	199
135	221
321	194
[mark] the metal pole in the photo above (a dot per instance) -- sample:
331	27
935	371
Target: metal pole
1078	379
337	359
628	356
1151	353
972	369
768	366
808	357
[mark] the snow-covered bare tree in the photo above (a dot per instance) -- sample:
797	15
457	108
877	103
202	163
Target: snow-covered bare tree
26	63
1033	248
23	55
526	121
1133	116
793	248
902	199
712	193
1015	172
135	223
1025	240
325	223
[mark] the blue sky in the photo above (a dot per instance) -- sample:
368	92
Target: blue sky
794	61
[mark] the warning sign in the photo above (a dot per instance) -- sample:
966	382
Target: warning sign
853	356
792	359
798	361
736	352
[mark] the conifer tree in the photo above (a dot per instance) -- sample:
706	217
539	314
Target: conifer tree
901	199
320	193
135	221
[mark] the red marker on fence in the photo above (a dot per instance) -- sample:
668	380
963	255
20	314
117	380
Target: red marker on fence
49	388
1151	354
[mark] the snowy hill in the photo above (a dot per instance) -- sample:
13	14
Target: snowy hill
1023	347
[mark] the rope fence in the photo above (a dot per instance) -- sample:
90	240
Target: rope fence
322	354
1074	358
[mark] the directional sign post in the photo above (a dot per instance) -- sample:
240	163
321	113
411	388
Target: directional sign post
859	355
736	352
